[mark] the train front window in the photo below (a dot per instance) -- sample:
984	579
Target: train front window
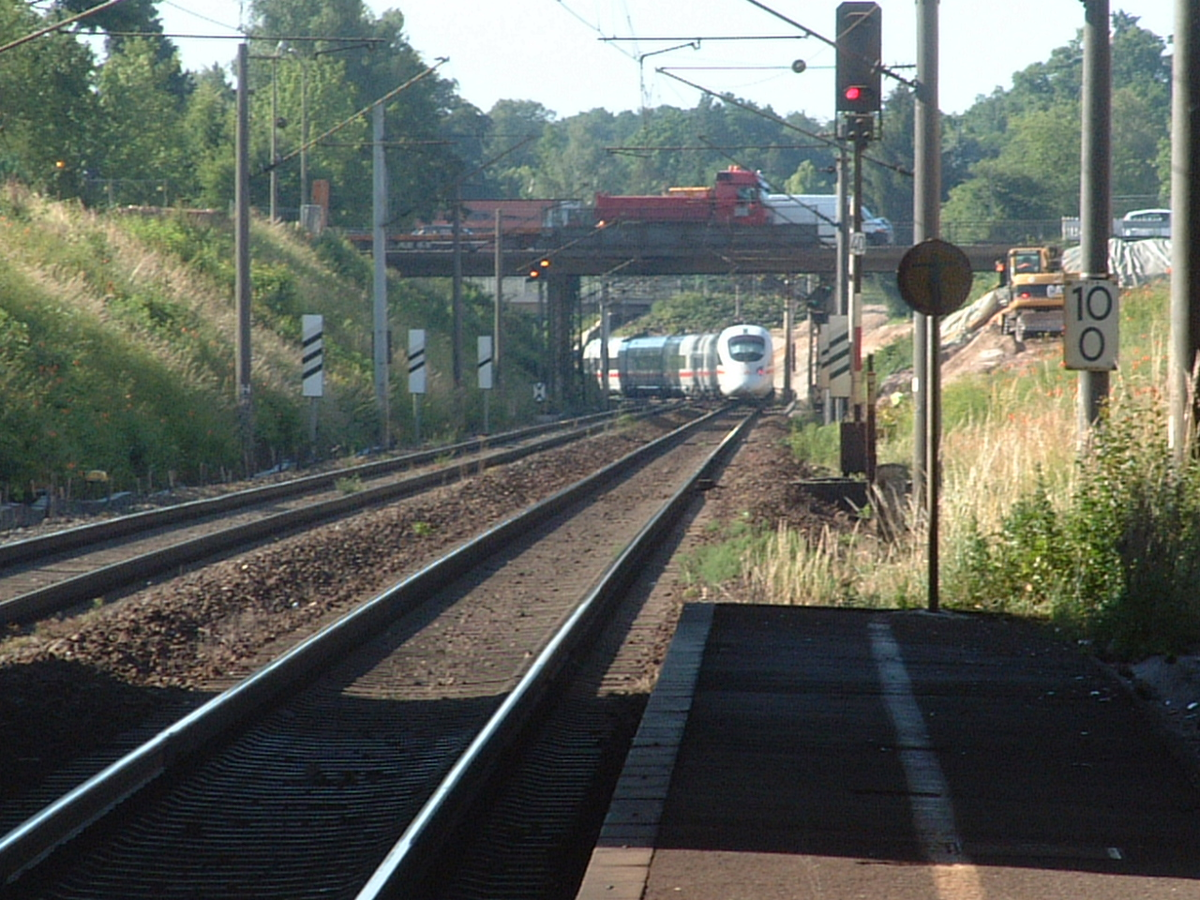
746	348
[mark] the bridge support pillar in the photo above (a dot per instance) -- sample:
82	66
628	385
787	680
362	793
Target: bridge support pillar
562	314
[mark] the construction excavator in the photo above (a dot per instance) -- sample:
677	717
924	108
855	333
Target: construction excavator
1032	280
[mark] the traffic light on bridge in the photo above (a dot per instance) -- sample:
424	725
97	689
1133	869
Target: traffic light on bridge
859	47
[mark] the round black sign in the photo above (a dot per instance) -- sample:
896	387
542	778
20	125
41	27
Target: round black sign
935	277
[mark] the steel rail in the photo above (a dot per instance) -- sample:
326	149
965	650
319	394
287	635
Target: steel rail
85	535
412	854
32	841
54	597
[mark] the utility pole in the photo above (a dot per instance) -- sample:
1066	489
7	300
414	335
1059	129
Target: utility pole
242	259
927	190
788	350
1185	215
497	312
1095	194
303	140
602	379
456	301
927	338
274	136
382	342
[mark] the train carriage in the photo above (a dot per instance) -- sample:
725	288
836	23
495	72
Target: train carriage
735	364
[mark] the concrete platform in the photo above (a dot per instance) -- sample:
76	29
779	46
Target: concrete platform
816	753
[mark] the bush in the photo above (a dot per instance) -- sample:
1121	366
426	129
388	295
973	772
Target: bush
819	445
1118	562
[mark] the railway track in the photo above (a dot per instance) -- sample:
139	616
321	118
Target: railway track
341	768
51	573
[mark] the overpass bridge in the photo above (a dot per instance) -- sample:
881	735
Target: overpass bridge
630	249
644	249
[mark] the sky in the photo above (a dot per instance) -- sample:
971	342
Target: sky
555	53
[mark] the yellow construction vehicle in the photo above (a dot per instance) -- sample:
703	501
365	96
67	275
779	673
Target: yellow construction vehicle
1032	301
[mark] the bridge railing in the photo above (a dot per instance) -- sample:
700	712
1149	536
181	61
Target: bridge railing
1014	232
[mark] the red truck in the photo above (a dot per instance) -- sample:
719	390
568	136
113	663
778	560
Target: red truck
737	199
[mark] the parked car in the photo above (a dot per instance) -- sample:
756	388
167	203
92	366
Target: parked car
1146	223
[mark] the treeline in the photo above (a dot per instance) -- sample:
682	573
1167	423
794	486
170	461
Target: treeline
134	128
1014	155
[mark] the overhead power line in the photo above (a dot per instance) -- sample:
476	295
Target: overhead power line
616	151
727	98
197	15
58	26
808	32
358	116
269	38
722	37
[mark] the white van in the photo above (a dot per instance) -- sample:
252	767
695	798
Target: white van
806	209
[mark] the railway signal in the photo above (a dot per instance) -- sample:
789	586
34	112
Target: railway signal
859	45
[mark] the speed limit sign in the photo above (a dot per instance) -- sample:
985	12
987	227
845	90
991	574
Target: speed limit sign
1092	312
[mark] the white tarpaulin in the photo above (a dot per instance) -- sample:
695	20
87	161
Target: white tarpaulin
1133	262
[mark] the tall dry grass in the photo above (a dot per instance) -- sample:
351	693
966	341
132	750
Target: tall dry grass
1010	441
833	569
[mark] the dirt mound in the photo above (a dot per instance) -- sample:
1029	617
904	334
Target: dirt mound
990	351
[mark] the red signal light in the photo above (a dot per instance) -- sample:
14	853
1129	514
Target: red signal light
854	93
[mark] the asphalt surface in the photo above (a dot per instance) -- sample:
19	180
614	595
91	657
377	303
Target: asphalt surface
816	753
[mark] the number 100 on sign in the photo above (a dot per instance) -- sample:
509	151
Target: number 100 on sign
1092	315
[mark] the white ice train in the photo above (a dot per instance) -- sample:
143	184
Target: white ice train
737	364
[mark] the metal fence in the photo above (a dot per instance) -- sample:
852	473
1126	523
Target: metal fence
1014	232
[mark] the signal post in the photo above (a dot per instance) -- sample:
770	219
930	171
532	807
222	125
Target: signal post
858	100
562	294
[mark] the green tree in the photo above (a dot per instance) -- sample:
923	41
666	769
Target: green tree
208	127
887	170
372	59
313	96
49	118
513	129
143	126
573	157
808	180
1015	154
130	16
1141	115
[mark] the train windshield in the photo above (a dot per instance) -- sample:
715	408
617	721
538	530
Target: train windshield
747	347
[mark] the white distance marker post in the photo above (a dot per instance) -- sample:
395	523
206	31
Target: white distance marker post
416	374
312	360
484	367
312	369
1092	334
836	359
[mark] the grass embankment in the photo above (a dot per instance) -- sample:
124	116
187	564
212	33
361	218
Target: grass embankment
1106	545
118	340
